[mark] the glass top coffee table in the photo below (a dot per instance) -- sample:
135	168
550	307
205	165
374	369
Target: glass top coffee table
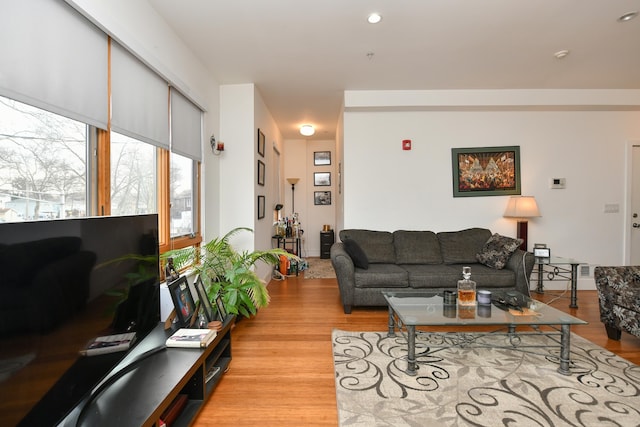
509	309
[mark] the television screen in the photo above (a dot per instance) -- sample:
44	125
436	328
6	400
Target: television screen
62	283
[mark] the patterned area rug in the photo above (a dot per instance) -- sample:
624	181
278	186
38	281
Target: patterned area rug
480	386
319	269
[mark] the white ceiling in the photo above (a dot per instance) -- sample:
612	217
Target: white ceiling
303	54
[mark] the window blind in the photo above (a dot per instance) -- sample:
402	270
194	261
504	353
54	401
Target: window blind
53	58
186	127
139	99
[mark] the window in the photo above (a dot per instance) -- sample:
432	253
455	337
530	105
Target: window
43	164
133	176
181	190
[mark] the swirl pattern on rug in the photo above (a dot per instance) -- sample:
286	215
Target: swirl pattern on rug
469	386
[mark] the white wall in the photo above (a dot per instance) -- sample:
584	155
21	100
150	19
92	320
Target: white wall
242	113
299	164
387	188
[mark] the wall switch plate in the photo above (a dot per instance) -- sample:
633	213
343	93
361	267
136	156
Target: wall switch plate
557	183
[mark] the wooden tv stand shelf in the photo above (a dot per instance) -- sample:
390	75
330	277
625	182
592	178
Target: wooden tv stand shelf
141	396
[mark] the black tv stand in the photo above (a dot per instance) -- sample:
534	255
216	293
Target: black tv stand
139	397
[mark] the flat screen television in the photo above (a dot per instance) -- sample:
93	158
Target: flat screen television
62	283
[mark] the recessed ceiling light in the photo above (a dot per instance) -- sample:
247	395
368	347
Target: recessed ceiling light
561	54
374	18
307	130
628	16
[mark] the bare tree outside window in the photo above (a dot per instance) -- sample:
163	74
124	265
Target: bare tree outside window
133	176
43	171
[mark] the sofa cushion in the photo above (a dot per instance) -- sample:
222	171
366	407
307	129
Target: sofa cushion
356	253
433	276
497	251
377	245
381	276
417	247
461	247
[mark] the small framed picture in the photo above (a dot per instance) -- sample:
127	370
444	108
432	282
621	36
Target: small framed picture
222	312
261	203
322	158
204	299
183	302
260	143
261	172
322	179
322	197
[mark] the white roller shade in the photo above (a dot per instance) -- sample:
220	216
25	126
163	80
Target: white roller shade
53	58
139	99
186	127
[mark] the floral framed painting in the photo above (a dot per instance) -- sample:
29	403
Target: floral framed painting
486	171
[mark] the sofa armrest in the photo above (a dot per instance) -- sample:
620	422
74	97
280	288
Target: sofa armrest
345	273
521	263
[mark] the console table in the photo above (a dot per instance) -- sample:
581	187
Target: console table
140	396
557	268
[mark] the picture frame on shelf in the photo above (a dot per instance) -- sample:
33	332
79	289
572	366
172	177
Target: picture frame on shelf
204	299
322	198
222	311
322	158
486	171
322	179
183	302
261	172
261	143
261	207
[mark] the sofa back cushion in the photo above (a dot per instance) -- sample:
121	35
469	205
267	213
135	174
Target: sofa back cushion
417	247
377	245
461	247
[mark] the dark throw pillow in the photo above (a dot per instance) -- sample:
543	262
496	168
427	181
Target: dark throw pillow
497	251
356	253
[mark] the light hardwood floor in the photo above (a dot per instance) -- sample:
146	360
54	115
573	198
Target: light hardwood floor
281	372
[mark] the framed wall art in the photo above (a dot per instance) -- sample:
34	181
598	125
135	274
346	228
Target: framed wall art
322	179
260	143
322	158
486	171
261	203
261	172
322	197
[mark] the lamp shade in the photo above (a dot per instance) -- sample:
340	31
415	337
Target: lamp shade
522	207
293	181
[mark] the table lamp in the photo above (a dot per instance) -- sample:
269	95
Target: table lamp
522	207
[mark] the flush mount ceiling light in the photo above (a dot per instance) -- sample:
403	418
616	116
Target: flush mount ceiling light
628	16
307	130
374	18
561	54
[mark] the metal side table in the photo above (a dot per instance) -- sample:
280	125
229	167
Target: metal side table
554	269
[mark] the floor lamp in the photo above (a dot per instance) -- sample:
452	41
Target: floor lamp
522	207
293	182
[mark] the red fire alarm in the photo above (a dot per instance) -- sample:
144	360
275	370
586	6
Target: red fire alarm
406	144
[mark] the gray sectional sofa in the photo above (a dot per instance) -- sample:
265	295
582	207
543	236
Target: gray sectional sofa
368	262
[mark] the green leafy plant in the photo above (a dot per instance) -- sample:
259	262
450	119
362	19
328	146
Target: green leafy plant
229	272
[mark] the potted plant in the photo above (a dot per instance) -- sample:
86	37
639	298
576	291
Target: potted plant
229	272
